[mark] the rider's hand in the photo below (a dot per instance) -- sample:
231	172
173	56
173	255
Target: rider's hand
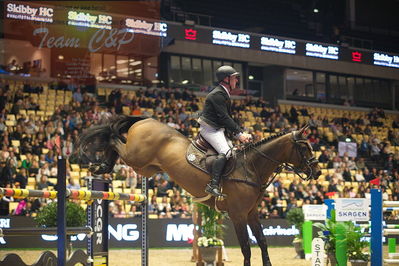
245	137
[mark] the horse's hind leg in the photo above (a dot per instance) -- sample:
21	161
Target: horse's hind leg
240	226
256	228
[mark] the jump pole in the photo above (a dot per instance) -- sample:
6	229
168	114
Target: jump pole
97	214
376	228
61	211
144	222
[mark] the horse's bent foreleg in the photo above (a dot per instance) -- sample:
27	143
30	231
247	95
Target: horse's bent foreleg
111	154
256	227
119	147
240	226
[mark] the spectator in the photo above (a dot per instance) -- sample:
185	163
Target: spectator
22	178
347	175
153	205
44	183
77	95
131	178
27	162
6	173
360	163
5	202
359	175
324	157
72	184
163	187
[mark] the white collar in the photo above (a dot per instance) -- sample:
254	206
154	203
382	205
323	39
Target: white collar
228	93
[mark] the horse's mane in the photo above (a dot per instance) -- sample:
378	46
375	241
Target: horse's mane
263	141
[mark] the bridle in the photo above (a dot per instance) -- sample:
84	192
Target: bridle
304	164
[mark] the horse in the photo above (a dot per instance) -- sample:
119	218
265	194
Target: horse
151	147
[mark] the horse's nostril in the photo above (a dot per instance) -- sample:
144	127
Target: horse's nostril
319	173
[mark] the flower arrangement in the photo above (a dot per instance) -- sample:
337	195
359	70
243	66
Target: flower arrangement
209	242
356	243
211	227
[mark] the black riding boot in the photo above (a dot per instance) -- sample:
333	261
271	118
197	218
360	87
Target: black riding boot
217	171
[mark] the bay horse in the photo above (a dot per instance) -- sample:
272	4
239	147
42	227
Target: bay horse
152	147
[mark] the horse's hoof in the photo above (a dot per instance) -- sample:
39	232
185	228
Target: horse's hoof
94	168
98	169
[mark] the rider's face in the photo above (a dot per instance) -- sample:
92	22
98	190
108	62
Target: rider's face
234	82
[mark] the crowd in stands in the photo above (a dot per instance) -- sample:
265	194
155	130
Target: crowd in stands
31	145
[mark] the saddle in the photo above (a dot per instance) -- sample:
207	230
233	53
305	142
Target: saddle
201	155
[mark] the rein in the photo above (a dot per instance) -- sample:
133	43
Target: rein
281	165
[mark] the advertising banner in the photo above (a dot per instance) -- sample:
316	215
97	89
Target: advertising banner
352	209
125	233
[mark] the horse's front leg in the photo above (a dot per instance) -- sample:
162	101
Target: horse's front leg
256	227
240	226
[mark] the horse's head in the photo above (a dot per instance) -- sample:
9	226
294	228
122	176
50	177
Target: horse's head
302	157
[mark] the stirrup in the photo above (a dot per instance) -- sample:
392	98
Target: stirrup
214	191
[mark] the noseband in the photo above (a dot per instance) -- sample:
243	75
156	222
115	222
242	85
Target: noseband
305	163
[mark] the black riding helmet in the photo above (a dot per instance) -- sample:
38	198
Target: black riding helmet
225	71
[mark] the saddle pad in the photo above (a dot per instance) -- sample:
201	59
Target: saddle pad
203	161
196	158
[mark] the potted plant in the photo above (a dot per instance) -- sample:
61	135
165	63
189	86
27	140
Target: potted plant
356	244
75	217
328	232
354	238
211	228
295	217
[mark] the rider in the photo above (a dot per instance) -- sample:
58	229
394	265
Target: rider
215	119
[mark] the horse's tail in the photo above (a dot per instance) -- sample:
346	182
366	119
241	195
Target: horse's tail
95	144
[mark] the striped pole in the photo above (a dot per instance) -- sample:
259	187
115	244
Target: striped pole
390	209
391	261
391	203
89	195
387	226
392	226
391	231
27	193
71	194
27	231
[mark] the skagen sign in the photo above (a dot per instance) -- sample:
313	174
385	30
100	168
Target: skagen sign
102	38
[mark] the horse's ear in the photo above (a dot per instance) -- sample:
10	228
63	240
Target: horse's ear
303	130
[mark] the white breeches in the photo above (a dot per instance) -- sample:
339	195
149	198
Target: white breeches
217	139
